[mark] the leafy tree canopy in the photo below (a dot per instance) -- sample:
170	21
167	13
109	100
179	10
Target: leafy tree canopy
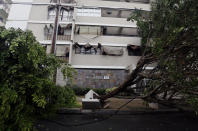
170	40
26	86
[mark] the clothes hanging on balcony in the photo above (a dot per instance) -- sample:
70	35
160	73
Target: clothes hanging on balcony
76	45
112	51
87	47
51	7
46	30
99	45
67	8
67	52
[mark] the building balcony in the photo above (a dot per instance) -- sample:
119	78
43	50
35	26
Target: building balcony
63	34
104	21
130	1
65	14
106	31
104	60
59	37
117	4
63	1
63	58
107	40
61	18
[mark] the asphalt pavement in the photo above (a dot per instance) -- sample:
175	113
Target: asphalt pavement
139	122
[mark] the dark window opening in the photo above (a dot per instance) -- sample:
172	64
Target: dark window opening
64	32
106	30
134	50
1	19
92	51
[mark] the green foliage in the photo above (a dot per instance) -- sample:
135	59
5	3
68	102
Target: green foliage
110	89
171	29
26	87
63	96
81	91
68	72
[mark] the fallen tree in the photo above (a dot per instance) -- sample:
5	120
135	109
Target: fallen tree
169	39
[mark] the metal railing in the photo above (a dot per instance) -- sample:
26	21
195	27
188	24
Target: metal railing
64	18
59	37
64	58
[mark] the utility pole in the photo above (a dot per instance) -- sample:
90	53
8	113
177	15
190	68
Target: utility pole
54	37
55	32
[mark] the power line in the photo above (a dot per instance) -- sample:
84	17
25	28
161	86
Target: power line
91	122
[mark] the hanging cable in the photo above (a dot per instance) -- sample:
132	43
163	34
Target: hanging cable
91	122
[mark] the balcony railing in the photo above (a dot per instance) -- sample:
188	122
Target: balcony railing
63	58
64	18
59	37
142	1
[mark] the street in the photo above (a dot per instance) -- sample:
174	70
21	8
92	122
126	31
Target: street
144	122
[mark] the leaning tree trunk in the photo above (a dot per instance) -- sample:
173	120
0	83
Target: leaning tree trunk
132	79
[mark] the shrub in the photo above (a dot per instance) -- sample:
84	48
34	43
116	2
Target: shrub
81	91
63	96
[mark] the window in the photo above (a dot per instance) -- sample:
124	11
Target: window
1	19
91	51
119	31
134	50
94	12
93	30
64	32
66	14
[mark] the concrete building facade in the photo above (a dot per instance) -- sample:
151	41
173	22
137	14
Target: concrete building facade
93	36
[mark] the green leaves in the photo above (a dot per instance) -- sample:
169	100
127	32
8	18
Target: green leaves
26	88
39	100
171	29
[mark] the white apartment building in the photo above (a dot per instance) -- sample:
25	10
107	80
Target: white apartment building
93	36
4	10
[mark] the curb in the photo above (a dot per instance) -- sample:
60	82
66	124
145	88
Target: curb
79	111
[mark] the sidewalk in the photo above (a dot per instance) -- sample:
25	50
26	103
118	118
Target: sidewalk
137	106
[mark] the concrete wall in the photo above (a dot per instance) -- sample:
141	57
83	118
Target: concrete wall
113	4
95	78
39	13
38	30
61	50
